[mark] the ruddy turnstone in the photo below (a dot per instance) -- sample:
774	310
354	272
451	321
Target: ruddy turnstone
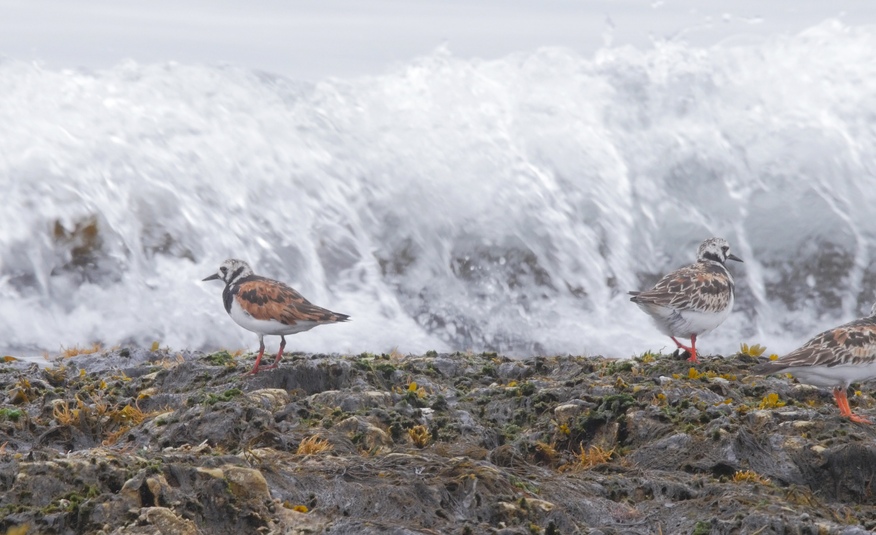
267	307
692	300
835	358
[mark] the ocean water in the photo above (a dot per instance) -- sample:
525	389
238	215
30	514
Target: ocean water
448	203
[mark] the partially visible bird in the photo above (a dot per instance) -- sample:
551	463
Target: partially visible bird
835	358
267	307
692	300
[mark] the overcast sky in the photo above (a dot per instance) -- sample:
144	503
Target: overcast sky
311	39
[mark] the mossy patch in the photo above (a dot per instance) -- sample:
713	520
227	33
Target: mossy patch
228	395
11	414
220	358
615	405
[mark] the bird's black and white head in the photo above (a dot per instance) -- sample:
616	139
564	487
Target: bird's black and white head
716	250
231	271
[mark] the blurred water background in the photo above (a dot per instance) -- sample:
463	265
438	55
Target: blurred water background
447	202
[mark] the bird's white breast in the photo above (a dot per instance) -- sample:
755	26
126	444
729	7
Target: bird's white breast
686	322
697	322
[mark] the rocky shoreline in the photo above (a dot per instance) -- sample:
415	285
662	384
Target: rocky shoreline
141	441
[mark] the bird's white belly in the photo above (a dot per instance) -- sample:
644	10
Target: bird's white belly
836	376
694	322
272	327
685	323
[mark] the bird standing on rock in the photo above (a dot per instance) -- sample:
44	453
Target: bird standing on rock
835	358
267	307
695	299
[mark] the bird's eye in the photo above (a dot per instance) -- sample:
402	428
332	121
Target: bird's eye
223	269
725	249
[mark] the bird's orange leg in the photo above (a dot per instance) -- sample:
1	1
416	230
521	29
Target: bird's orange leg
255	369
692	349
279	354
842	402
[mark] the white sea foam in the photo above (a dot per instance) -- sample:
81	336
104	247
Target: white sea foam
448	204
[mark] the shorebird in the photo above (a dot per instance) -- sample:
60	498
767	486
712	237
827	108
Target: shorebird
835	358
695	299
267	307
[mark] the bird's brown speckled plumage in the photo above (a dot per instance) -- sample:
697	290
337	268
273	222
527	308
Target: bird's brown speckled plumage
703	286
853	343
268	307
834	358
692	300
267	299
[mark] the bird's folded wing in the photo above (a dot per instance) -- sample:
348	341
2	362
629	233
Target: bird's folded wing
266	299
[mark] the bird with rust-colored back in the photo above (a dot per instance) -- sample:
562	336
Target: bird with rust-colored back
268	307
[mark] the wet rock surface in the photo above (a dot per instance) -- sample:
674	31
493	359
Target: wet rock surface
139	441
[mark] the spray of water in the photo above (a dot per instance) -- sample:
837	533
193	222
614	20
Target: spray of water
448	204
